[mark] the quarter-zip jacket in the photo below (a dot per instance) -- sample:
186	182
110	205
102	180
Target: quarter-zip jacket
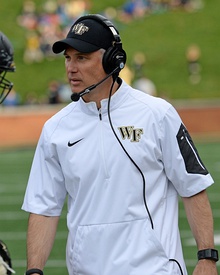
110	229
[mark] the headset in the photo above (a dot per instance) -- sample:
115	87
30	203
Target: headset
114	57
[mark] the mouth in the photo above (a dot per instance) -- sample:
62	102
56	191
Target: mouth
76	85
74	82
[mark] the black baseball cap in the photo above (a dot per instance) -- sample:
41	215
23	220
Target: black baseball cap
86	35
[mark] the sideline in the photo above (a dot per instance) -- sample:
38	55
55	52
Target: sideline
21	126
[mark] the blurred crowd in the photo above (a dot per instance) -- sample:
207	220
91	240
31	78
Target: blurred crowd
47	25
51	22
134	9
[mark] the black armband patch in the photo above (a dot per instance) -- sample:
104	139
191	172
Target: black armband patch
193	163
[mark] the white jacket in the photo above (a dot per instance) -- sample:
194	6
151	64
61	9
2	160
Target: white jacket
110	231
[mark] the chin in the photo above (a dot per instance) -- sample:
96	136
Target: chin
77	89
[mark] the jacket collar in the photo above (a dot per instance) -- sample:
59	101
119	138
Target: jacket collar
116	100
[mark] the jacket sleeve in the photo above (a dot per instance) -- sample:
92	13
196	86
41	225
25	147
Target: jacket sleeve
183	165
45	192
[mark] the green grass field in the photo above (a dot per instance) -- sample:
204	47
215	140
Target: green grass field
14	169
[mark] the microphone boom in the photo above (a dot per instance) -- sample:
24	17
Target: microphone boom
76	96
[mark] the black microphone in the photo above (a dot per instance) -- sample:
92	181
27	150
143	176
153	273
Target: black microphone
76	96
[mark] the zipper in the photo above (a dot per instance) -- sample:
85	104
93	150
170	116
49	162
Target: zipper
194	152
102	145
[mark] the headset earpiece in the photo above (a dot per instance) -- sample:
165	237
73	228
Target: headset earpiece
115	56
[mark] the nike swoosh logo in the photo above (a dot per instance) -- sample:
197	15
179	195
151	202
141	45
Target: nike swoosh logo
70	144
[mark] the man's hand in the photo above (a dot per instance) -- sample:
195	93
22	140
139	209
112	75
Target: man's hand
205	267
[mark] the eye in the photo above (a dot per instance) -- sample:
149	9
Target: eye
81	57
66	56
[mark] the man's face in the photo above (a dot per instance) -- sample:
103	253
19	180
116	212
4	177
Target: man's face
83	69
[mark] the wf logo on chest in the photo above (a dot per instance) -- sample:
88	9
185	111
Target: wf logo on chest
129	132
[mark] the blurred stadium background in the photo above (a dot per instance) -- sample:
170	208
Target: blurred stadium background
163	35
157	41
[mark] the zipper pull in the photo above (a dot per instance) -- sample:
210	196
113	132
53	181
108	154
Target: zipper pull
100	114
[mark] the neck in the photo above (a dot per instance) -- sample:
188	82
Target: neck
101	92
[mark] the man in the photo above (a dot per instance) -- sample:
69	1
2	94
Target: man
122	157
6	65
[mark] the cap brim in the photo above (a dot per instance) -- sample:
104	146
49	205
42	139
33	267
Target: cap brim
77	44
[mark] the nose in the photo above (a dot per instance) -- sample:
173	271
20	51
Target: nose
71	66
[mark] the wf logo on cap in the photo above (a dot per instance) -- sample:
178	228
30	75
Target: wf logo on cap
80	29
